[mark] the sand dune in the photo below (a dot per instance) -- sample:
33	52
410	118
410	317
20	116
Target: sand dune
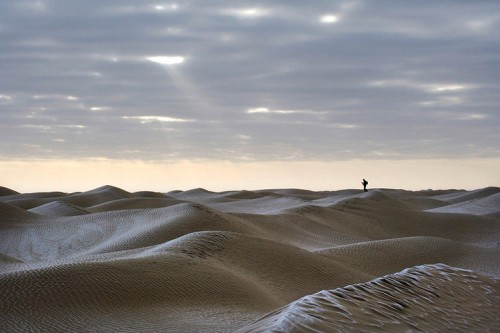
431	298
200	261
485	202
58	208
6	191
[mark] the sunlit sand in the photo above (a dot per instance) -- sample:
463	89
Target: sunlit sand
280	260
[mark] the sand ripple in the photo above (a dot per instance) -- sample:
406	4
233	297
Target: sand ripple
109	260
430	298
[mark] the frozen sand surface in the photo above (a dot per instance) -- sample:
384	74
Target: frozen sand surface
200	261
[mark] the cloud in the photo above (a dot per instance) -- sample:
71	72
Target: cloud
167	60
315	80
251	12
161	119
280	111
329	19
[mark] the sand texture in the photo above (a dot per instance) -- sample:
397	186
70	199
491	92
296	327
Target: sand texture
285	260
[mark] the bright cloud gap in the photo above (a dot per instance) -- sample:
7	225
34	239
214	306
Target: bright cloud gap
266	110
167	60
428	87
329	19
147	119
248	12
166	7
281	111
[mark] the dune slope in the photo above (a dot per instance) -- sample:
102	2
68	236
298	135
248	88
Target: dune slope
430	298
198	261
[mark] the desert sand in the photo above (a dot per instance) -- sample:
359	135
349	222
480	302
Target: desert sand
285	260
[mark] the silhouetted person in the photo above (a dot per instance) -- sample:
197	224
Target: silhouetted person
364	182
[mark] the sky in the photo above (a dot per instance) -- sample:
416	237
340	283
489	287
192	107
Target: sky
249	94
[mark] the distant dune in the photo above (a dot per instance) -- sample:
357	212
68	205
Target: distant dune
274	260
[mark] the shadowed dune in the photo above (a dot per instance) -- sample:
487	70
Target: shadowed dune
13	213
59	208
7	191
413	251
134	203
482	203
462	196
200	261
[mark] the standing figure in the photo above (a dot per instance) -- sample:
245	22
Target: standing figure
364	182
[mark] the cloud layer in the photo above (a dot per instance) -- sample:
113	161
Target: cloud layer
249	81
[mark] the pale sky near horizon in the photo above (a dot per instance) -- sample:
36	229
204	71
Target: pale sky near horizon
249	94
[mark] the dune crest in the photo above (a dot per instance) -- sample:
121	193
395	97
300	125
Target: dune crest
199	261
430	298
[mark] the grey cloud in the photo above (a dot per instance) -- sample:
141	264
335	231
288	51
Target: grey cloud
89	59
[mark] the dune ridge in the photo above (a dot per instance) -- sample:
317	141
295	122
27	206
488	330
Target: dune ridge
429	298
201	261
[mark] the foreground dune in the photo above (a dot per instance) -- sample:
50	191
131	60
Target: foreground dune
429	298
250	261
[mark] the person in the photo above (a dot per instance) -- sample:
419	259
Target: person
364	182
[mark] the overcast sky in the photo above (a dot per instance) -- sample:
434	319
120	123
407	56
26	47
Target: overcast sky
249	80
